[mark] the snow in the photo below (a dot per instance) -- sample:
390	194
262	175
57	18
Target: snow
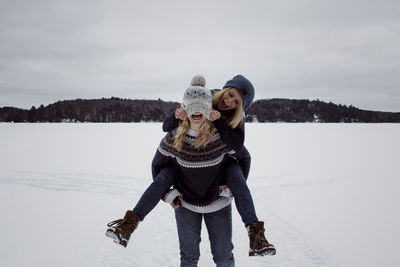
328	194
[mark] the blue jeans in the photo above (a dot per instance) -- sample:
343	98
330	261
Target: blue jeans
219	227
235	179
156	190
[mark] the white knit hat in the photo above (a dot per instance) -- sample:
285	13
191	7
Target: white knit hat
197	97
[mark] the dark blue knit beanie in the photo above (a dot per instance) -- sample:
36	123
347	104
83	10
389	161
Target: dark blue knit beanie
245	89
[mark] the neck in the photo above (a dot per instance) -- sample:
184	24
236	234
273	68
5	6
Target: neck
194	127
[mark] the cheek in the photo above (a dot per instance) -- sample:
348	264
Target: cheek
232	103
226	96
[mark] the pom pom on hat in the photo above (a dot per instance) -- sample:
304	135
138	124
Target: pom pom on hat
198	80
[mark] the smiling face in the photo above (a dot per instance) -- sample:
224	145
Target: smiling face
229	100
196	120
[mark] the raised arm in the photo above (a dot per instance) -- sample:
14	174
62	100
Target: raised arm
170	122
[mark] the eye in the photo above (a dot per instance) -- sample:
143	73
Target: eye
204	93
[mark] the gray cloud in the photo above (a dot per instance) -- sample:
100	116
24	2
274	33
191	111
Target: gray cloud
341	51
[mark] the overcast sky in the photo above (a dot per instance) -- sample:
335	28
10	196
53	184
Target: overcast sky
344	51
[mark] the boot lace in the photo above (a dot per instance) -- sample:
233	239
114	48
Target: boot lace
120	222
116	222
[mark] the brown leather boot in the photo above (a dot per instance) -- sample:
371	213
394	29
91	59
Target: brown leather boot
259	245
121	230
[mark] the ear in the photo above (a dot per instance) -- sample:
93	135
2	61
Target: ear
243	91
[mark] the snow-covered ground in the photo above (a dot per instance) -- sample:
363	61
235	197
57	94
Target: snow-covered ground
329	194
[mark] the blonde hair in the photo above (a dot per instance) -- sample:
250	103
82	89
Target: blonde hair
232	120
206	132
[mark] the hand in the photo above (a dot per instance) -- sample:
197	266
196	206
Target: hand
177	202
180	113
215	115
223	187
225	191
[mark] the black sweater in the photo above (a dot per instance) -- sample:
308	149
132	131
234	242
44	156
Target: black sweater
198	171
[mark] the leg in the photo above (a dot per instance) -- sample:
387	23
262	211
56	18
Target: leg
234	177
219	226
189	228
245	206
121	230
163	181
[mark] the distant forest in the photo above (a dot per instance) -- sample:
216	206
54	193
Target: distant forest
127	110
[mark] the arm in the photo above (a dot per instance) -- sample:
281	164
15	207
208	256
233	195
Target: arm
170	122
233	138
174	198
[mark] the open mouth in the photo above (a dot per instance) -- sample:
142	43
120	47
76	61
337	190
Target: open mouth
197	116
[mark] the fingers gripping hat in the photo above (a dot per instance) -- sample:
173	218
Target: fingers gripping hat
197	97
244	87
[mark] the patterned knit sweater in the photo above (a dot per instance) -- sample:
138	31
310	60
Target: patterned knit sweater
198	170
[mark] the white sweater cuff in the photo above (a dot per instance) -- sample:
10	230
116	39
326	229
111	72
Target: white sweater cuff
171	195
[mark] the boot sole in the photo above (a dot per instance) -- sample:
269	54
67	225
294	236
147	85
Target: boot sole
115	237
270	252
264	252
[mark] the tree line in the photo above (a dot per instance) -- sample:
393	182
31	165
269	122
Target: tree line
127	110
287	110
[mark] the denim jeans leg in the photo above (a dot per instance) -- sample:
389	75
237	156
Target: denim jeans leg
219	226
189	228
235	179
156	190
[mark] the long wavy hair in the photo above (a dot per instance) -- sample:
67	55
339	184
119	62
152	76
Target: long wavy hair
206	132
233	118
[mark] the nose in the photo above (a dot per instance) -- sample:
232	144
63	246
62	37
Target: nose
228	101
